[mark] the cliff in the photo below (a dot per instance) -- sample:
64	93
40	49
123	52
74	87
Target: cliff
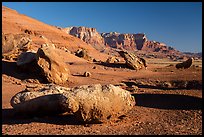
88	35
133	42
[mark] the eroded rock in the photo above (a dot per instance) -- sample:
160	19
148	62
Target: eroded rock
186	64
82	53
112	60
14	44
88	35
89	103
133	61
52	65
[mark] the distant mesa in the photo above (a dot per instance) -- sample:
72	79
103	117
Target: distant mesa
117	40
88	35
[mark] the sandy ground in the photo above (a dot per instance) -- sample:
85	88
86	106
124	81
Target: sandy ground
157	111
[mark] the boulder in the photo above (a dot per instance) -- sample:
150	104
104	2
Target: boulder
14	44
186	64
89	103
52	65
45	101
133	61
82	53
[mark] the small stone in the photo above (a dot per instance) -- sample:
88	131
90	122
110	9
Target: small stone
87	74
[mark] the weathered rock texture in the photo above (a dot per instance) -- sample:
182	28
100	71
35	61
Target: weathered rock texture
52	65
82	53
14	44
88	35
186	64
133	61
125	41
90	103
112	60
137	41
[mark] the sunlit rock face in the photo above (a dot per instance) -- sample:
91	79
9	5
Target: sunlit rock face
88	35
89	103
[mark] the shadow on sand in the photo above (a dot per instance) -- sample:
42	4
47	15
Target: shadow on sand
113	65
168	101
11	69
9	116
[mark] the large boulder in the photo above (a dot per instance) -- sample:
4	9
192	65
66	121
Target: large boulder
133	61
89	103
14	44
186	64
52	65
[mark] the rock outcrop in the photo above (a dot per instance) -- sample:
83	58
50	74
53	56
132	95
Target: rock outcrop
88	35
52	65
133	61
14	44
186	64
126	41
90	103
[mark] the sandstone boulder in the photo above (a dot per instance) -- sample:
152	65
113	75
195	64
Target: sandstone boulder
14	44
133	61
89	103
186	64
82	53
52	65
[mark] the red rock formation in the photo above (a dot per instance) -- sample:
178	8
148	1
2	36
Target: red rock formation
130	42
88	35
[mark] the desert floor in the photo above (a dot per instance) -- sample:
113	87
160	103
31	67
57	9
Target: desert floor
158	111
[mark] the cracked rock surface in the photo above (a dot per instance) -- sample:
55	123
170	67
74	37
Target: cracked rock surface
89	103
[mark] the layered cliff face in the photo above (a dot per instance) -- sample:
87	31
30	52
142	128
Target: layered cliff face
88	35
126	41
133	42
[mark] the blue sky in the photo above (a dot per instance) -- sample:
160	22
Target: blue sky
177	24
